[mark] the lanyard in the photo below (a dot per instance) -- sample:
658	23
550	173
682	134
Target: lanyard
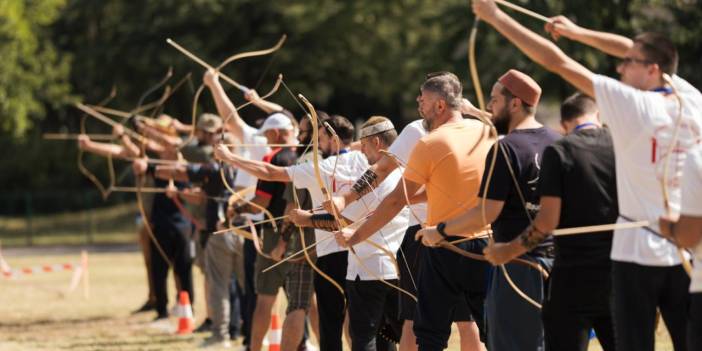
584	125
665	90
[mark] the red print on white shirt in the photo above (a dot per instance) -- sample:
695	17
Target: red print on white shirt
688	136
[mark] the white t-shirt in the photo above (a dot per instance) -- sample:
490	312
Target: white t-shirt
370	258
349	167
243	179
692	206
402	148
642	124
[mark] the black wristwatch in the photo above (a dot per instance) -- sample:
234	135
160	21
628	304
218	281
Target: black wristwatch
440	229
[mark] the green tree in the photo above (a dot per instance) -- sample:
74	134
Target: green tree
33	74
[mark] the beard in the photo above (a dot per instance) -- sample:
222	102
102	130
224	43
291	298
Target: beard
501	121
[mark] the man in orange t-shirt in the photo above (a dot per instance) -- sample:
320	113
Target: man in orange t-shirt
449	162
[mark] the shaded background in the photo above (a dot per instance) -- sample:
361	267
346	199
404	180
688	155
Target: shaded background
354	58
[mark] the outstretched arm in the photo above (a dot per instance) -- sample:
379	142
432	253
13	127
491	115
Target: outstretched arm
464	225
609	43
539	49
391	205
259	169
545	222
265	105
373	176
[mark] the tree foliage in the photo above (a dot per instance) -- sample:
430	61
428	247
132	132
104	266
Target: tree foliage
33	73
355	58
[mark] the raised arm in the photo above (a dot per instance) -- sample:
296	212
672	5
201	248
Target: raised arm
225	107
545	222
609	43
266	106
539	49
259	169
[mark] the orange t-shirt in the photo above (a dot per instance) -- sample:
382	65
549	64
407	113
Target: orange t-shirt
450	162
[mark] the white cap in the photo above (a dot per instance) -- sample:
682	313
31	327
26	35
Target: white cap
276	121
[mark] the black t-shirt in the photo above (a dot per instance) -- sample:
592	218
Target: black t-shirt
579	169
282	157
208	176
524	149
164	212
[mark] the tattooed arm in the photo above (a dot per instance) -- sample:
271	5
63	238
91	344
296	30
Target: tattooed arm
545	222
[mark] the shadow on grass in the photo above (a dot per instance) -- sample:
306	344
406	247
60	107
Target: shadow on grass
138	342
49	322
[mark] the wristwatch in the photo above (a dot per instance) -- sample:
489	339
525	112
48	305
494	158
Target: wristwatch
440	229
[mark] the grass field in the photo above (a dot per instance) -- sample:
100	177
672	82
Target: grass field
35	314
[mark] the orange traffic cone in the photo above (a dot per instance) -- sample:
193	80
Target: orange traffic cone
186	323
275	334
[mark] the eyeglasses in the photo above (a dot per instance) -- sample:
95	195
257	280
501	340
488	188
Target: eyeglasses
628	60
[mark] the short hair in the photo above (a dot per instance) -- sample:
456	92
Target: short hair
658	49
577	105
447	85
387	137
528	109
342	127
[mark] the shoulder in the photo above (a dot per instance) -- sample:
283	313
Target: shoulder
414	128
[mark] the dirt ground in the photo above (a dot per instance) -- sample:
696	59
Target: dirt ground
37	314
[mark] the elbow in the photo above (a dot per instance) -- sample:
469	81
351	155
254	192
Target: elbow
688	239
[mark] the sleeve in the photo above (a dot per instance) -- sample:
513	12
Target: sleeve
622	106
275	189
691	204
551	174
302	175
405	142
268	189
419	164
500	185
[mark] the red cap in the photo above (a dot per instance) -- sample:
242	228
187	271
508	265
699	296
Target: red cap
521	86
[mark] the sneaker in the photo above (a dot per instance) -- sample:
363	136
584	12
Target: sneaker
213	342
204	327
147	306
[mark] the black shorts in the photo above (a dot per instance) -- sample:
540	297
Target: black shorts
409	271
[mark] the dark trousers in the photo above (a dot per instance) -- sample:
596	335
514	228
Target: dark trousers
578	299
370	303
638	290
408	257
330	302
249	300
446	281
235	297
173	237
694	324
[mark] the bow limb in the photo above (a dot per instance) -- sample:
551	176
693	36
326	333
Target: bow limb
341	223
257	240
664	180
493	131
307	256
104	190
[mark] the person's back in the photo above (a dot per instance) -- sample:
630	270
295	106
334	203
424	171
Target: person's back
450	162
586	160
